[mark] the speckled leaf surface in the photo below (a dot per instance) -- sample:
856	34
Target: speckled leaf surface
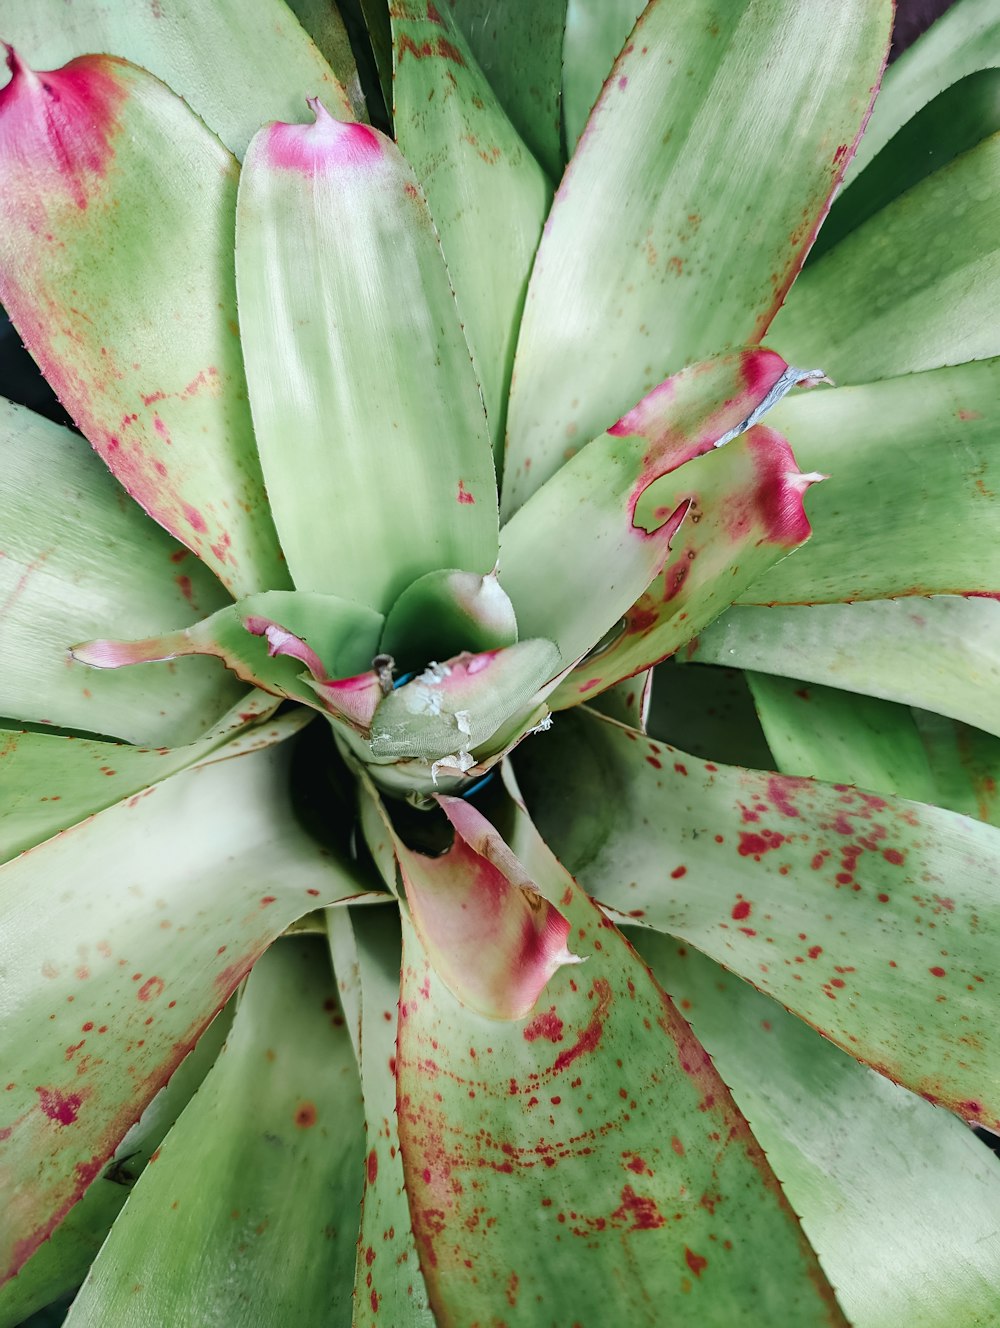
664	248
872	918
940	653
79	559
898	1200
574	1162
964	39
956	120
143	352
131	935
911	462
248	1214
60	1264
519	49
389	1289
49	782
363	393
914	287
826	733
234	67
486	192
596	31
605	525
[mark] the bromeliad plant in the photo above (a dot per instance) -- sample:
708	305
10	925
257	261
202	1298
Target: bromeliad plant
436	456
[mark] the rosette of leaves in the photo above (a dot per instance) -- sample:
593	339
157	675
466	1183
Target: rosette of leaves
335	989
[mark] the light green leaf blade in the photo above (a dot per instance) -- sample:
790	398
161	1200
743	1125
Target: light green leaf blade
322	20
825	733
850	1148
49	782
60	1264
874	919
956	120
941	653
388	1284
560	1147
144	351
596	31
132	935
363	393
444	613
519	49
914	287
249	1216
910	461
964	39
486	192
235	68
80	560
665	247
628	701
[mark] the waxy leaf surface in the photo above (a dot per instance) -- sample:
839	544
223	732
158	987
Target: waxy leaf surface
248	1213
80	560
369	421
940	653
662	248
234	67
132	935
874	919
898	1200
584	1159
596	31
486	192
97	158
911	463
914	287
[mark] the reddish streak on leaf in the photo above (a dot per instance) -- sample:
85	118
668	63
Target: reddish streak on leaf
893	855
464	496
548	1026
61	1107
372	1167
591	1035
696	1262
194	518
642	1212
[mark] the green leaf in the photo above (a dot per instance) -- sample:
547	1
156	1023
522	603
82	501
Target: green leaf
250	1216
910	461
941	653
596	31
363	392
914	287
234	68
841	737
602	528
324	24
131	935
682	219
444	613
872	918
956	120
293	644
486	192
49	782
709	712
388	1284
850	1149
628	701
964	39
649	1168
60	1264
519	49
144	351
79	560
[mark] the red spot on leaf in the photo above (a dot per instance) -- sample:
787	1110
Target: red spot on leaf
937	971
752	845
305	1115
696	1262
464	496
591	1035
741	909
893	855
372	1167
61	1107
642	1212
548	1026
151	988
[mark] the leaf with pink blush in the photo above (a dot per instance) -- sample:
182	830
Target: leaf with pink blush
144	352
492	938
523	1141
630	503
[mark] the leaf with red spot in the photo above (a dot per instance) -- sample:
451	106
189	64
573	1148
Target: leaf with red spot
648	261
564	1164
144	352
121	938
492	938
256	1205
872	918
616	514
